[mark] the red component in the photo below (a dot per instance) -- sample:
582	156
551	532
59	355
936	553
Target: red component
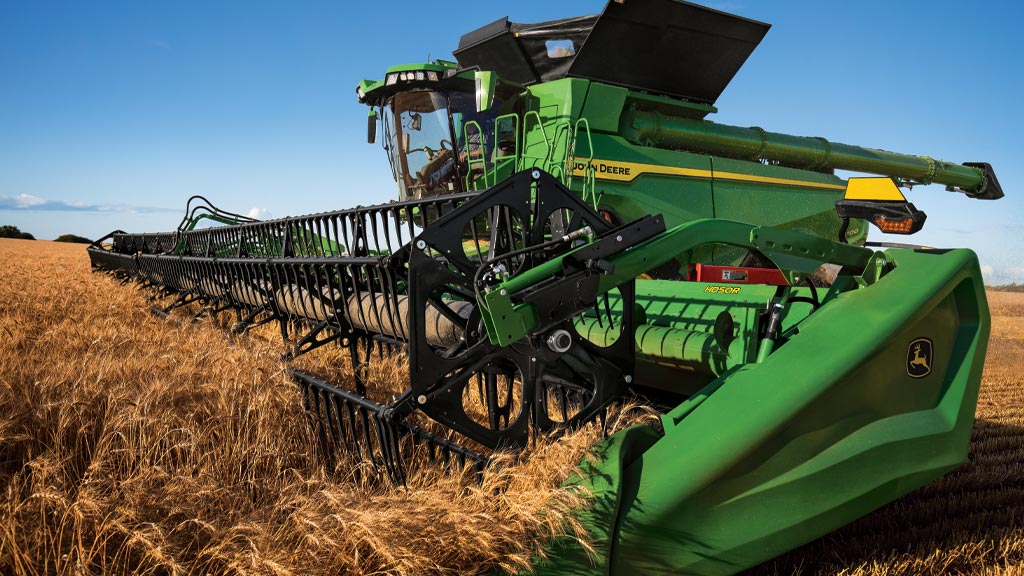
736	275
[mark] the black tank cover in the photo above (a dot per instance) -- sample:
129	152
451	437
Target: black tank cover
666	47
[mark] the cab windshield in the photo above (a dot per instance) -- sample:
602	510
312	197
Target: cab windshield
426	140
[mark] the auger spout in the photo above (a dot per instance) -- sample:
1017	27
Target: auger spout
978	180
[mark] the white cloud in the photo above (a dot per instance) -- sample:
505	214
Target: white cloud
987	271
27	201
258	213
37	204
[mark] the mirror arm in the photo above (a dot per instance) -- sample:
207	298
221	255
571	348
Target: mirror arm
371	127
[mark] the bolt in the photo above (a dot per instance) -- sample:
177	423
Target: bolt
421	244
422	399
504	292
535	174
628	379
618	238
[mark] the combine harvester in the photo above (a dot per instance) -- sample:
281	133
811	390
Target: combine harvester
571	232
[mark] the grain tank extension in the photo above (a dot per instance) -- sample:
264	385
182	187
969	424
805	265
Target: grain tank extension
571	231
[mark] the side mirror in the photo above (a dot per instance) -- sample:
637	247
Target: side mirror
485	84
371	127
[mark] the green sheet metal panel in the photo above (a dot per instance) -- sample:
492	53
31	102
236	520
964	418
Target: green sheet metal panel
830	427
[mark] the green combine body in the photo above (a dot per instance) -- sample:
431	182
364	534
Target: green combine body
571	230
630	137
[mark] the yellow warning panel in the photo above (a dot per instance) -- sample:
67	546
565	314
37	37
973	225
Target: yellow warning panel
874	189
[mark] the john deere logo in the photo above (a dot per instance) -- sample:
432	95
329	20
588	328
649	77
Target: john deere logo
919	358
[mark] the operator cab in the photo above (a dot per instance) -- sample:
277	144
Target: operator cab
445	129
435	139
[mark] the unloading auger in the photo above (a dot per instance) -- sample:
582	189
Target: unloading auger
571	232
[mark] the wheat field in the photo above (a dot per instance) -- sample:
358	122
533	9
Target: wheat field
132	445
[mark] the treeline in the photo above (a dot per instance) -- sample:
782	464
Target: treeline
1007	288
8	231
73	238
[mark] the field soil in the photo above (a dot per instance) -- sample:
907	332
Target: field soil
133	445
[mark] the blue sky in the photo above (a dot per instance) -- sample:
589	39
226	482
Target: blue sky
113	113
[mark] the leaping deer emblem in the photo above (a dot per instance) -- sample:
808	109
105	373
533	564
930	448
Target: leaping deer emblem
919	358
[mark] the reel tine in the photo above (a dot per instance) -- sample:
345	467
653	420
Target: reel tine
346	422
312	413
357	448
344	438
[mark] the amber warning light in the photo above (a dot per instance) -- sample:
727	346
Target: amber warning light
902	226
